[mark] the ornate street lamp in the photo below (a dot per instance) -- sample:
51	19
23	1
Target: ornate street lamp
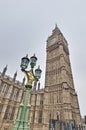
24	62
22	121
38	72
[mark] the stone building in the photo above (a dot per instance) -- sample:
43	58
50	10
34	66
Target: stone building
11	94
57	101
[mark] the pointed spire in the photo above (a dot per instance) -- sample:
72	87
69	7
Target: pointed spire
56	30
4	70
56	25
23	81
15	75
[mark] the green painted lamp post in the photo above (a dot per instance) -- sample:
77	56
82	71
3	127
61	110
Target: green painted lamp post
22	121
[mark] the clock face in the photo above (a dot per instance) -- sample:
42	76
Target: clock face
53	40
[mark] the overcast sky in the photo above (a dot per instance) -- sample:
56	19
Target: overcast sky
25	26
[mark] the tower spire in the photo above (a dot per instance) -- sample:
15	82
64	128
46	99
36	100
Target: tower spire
56	30
4	70
23	81
55	25
15	75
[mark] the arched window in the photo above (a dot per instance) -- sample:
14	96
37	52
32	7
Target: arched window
6	116
12	93
6	91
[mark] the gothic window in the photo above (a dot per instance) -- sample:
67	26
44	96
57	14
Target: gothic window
51	98
1	85
41	99
41	109
6	116
6	91
35	99
41	102
4	87
22	96
12	113
40	117
17	93
32	116
60	100
12	93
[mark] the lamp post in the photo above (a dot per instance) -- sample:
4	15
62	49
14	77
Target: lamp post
22	121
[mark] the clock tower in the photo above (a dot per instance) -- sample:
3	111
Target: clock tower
60	97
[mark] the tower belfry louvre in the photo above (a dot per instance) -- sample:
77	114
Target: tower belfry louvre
56	102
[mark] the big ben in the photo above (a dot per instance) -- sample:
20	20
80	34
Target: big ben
57	104
60	97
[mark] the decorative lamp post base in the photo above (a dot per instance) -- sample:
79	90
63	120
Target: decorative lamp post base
22	122
21	126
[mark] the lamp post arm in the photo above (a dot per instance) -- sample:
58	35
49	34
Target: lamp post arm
30	77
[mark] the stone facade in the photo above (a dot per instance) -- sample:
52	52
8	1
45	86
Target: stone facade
58	100
11	93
